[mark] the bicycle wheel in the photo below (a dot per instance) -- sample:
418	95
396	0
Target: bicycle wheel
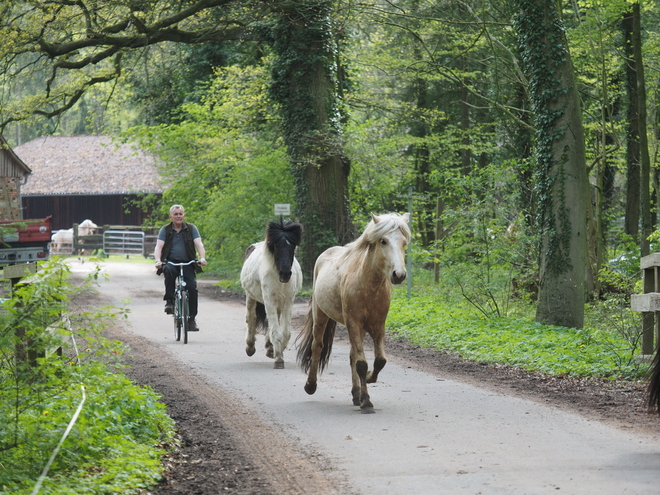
177	318
185	311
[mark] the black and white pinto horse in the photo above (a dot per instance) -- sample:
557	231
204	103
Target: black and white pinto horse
271	277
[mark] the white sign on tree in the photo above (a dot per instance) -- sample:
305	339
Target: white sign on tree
282	209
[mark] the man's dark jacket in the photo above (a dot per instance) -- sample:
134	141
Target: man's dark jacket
188	240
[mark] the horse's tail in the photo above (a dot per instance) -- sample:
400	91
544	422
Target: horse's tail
262	321
306	338
654	383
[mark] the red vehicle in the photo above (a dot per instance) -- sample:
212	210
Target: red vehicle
23	241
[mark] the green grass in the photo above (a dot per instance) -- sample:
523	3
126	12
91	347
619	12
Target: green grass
429	320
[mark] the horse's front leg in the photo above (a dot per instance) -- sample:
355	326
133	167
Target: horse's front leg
251	321
380	359
355	379
283	335
359	369
269	345
278	335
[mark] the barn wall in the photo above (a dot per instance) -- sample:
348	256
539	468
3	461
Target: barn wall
69	209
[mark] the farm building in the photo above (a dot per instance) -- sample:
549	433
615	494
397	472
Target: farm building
13	174
79	177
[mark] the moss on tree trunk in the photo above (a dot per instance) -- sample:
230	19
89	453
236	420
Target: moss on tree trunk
561	176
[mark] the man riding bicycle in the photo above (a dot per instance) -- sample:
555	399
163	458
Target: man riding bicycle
178	241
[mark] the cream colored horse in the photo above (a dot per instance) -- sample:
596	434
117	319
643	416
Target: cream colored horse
352	286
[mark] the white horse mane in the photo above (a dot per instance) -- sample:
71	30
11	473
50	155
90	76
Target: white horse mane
385	224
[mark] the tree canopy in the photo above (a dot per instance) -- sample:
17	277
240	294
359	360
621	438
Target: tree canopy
71	46
366	102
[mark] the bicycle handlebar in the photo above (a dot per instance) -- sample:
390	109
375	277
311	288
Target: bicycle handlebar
181	264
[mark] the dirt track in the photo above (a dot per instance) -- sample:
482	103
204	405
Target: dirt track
227	447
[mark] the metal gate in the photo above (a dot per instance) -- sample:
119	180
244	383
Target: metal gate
123	242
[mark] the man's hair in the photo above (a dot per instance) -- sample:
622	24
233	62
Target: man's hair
175	207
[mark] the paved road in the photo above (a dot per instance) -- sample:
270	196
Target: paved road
429	435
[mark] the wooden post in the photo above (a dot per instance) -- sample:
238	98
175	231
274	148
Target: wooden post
25	348
648	303
76	247
648	279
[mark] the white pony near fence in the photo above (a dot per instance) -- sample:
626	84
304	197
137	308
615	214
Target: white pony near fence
86	227
61	242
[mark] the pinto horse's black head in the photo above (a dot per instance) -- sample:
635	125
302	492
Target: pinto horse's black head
282	239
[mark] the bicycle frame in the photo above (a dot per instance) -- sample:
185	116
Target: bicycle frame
181	304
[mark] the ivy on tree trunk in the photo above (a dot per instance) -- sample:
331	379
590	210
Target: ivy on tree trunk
305	85
561	176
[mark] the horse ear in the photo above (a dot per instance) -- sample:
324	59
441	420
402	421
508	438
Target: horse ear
374	218
405	217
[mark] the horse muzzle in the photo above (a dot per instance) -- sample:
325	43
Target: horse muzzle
285	277
398	278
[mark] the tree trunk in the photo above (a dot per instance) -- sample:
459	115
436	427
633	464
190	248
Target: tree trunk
304	83
645	161
422	164
466	152
632	134
561	163
522	142
596	218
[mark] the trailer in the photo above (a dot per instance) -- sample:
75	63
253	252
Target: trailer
24	241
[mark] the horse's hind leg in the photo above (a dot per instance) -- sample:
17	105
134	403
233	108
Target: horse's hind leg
321	321
251	321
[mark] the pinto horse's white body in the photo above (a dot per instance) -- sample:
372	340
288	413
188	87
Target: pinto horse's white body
271	279
352	286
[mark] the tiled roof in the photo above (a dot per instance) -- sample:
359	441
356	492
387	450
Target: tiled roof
87	165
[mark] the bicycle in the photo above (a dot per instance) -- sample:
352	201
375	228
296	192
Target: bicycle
181	304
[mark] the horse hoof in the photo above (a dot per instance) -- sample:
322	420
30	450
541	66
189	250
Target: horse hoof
249	350
367	410
310	388
355	393
279	365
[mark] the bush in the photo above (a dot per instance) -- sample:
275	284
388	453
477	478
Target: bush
116	442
